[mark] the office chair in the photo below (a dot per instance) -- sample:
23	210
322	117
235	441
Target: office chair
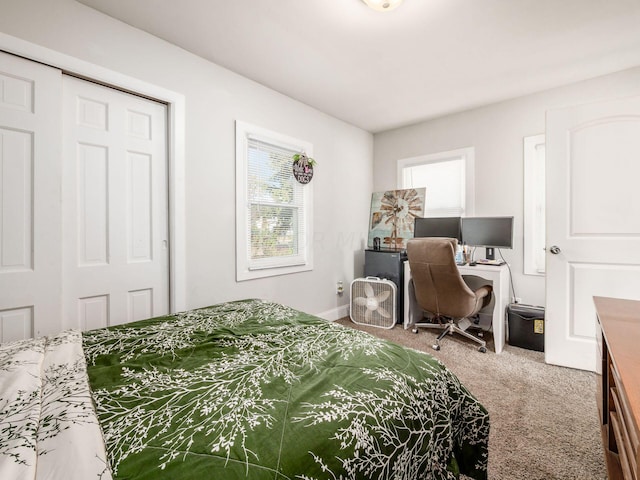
437	287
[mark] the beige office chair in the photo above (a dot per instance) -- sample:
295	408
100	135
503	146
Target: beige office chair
438	288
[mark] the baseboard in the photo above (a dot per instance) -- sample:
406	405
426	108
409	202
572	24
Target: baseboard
335	313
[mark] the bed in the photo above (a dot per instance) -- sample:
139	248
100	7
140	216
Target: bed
248	390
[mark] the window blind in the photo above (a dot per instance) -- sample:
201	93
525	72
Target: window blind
539	232
275	203
534	205
445	184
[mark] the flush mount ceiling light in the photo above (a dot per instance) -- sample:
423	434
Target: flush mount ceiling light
383	5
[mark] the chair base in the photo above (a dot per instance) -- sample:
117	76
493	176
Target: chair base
450	328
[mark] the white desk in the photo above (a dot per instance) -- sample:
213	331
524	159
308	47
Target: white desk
499	278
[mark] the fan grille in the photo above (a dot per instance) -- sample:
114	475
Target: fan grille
373	302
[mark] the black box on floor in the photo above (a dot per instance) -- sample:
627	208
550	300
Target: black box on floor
526	326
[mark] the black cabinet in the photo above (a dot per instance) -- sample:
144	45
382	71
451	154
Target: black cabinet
389	264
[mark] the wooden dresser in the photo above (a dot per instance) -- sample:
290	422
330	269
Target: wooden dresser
619	384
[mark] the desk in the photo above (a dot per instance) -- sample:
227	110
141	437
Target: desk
499	278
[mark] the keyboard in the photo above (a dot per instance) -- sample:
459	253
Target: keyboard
483	261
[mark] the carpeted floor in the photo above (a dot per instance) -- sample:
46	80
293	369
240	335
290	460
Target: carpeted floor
544	418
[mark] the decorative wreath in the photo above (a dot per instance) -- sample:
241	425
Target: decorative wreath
303	167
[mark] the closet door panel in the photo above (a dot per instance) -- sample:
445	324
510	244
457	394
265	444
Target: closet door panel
115	214
30	212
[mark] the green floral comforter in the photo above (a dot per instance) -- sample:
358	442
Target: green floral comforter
241	390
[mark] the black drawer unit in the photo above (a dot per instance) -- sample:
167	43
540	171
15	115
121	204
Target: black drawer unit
388	264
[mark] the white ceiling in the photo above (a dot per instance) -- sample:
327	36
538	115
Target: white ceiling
378	70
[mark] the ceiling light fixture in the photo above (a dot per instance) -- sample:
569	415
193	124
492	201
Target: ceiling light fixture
383	5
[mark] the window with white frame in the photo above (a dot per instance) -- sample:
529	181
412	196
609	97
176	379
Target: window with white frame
448	178
273	211
534	205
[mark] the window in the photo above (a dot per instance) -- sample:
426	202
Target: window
448	178
273	210
534	205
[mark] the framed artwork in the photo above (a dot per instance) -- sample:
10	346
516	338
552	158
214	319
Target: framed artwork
392	215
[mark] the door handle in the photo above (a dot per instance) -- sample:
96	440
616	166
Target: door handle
555	249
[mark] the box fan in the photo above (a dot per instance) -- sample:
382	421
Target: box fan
373	302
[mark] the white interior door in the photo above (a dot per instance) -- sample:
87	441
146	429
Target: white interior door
593	218
30	235
115	214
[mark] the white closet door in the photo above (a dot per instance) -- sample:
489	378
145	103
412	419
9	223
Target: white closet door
30	236
115	214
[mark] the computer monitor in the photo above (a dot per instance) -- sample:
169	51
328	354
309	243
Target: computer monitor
437	227
488	232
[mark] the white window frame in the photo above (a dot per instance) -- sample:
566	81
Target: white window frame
534	207
245	268
468	156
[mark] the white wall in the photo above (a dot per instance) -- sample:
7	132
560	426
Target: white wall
496	131
215	98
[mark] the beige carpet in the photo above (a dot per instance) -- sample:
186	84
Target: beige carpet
544	418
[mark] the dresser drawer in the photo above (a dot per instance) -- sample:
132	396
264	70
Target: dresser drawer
627	435
626	448
625	414
622	452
